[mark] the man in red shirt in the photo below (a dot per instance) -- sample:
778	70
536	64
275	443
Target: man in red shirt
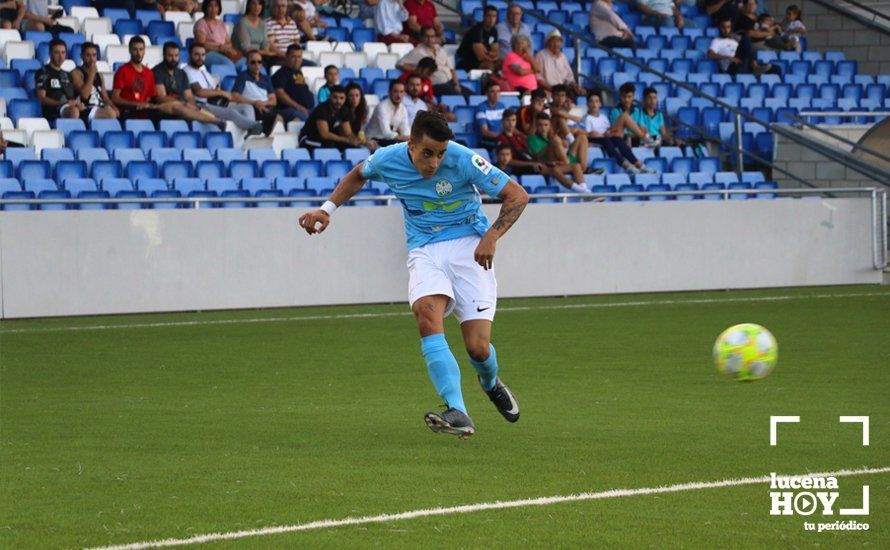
422	13
134	92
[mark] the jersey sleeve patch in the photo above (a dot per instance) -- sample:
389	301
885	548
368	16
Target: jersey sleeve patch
481	164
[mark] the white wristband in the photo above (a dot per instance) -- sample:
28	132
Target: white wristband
329	207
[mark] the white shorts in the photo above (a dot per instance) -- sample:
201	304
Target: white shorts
449	268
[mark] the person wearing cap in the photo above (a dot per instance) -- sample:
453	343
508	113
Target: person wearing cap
555	66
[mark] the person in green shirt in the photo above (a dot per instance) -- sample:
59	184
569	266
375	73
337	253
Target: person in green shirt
547	147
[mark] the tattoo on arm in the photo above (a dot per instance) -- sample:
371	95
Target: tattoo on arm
510	211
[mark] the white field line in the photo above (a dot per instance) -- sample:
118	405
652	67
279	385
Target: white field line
542	501
381	314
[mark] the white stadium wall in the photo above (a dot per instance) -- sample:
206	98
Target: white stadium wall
98	262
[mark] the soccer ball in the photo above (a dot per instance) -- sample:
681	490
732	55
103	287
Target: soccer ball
746	352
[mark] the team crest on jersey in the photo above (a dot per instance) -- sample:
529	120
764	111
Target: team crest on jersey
481	164
444	187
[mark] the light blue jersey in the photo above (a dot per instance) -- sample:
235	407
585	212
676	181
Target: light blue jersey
445	206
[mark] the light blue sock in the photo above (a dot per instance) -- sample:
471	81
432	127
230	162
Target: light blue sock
443	370
488	369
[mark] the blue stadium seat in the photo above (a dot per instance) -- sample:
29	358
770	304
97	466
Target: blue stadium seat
125	155
711	117
254	185
546	189
115	185
230	154
173	169
16	155
673	179
646	179
69	169
294	155
22	195
303	193
769	185
713	187
185	140
337	168
147	16
38	185
171	126
166	194
52	156
68	125
76	186
165	154
141	169
740	185
268	193
151	140
658	187
9	185
700	178
308	168
320	184
6	169
286	185
103	125
196	155
54	194
660	165
764	145
152	185
725	177
261	154
79	139
686	187
240	169
325	154
32	169
690	116
210	169
188	186
708	165
100	170
217	140
118	139
631	188
124	27
139	126
275	169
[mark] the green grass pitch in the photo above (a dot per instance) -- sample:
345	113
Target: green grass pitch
217	422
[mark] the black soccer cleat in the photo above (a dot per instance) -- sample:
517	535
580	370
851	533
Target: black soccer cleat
503	400
452	421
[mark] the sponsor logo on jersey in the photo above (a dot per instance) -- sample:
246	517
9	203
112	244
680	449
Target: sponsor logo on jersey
443	187
481	164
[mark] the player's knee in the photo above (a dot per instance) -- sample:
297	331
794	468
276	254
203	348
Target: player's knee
429	321
478	349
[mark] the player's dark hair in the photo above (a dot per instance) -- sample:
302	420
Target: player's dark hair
170	45
542	116
627	88
337	89
649	90
57	42
135	40
508	113
428	63
432	124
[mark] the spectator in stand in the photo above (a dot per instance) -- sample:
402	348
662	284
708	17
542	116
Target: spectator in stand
610	30
282	30
735	54
331	79
444	78
295	100
39	16
547	147
510	28
424	69
528	113
775	36
489	114
721	9
172	88
422	13
329	124
212	33
555	67
308	31
312	18
661	13
389	16
520	69
90	86
479	47
651	120
12	12
413	101
254	88
188	6
599	131
212	98
623	117
389	123
250	31
762	30
357	108
566	125
521	157
793	27
55	91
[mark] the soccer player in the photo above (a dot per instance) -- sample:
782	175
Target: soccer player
451	250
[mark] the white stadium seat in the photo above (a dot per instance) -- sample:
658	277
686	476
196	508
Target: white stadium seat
153	55
177	17
69	65
82	13
401	49
185	30
5	121
330	58
127	37
69	21
47	139
372	101
18	50
2	107
318	46
96	26
105	40
231	6
31	125
355	61
386	61
9	35
117	54
103	67
311	73
108	80
371	49
16	136
344	47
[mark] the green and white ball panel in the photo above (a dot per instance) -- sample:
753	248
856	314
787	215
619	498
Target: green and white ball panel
745	352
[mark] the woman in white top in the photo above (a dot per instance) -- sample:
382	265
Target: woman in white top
599	131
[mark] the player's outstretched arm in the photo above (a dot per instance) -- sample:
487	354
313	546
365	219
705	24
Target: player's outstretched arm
515	198
318	220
